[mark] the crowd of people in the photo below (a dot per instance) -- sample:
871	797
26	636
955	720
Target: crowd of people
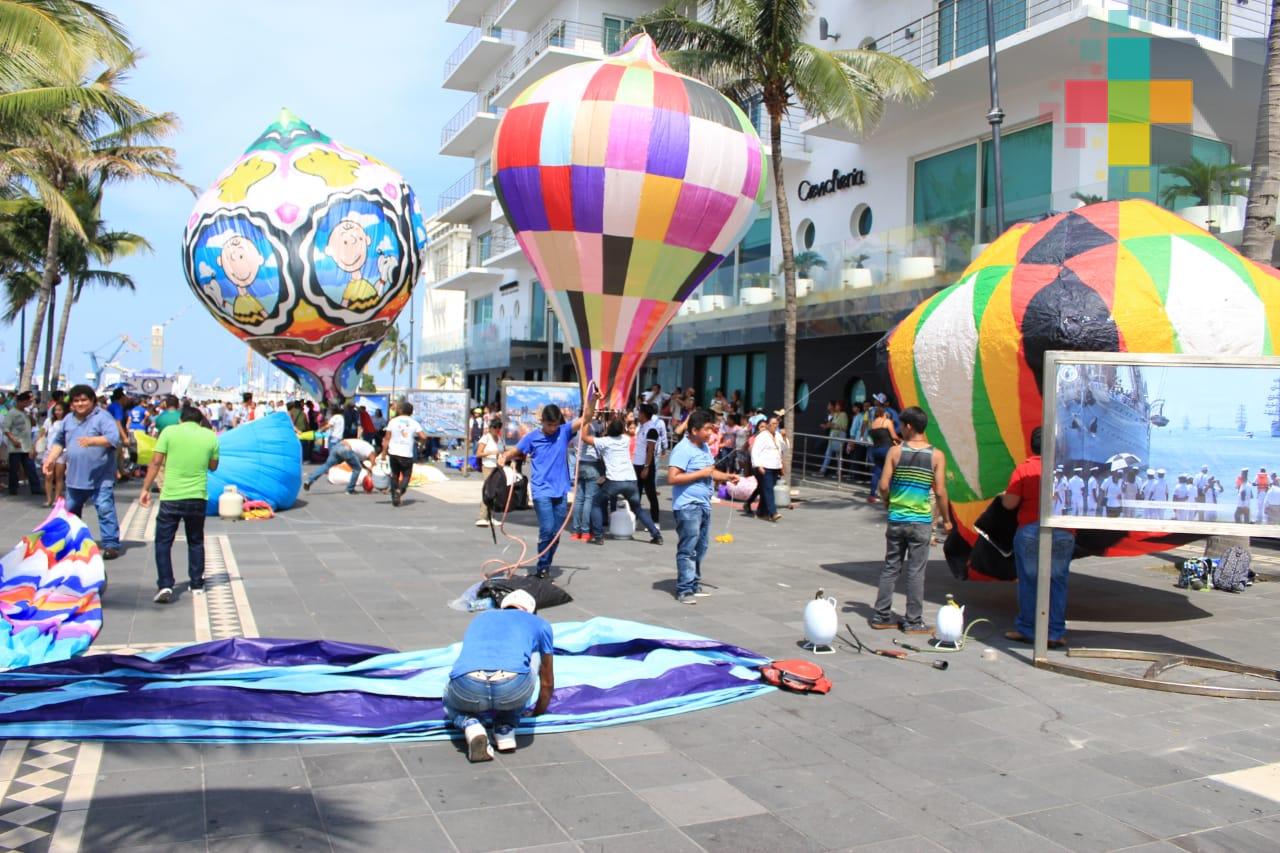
1125	492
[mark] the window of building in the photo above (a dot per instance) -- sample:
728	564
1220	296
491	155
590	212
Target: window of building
855	391
743	372
486	174
860	221
802	396
806	234
538	314
1202	17
1168	148
484	245
962	24
482	310
1027	160
946	210
615	33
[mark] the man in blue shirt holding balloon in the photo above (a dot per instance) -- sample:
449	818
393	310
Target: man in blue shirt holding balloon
548	452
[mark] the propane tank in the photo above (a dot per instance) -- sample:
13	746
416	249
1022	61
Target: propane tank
622	524
781	494
950	623
821	623
230	503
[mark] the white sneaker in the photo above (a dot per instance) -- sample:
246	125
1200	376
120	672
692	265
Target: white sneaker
478	748
163	596
505	738
482	522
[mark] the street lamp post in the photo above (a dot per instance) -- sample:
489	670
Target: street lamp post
551	344
995	117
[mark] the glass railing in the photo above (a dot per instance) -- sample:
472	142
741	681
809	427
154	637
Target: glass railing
487	29
463	117
460	189
488	345
557	33
444	342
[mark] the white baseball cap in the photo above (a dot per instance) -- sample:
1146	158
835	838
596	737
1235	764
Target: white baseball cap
521	599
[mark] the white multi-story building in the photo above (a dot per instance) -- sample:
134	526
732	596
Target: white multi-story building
918	206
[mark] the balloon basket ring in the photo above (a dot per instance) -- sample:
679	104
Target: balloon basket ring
1162	662
819	648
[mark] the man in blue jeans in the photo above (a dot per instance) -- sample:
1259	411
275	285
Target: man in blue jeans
186	452
1023	495
88	445
346	451
495	673
548	452
692	474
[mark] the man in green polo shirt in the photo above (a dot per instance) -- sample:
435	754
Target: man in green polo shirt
186	452
170	414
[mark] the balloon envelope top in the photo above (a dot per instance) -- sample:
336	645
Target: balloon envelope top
626	184
1112	277
307	250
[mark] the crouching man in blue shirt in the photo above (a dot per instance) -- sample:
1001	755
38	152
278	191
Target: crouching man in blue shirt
494	672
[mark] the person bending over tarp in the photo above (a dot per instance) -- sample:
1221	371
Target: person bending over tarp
494	672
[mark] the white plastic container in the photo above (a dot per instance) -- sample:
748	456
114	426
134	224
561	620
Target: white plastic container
781	494
622	524
230	503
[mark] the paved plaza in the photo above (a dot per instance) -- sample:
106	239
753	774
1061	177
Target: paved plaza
987	756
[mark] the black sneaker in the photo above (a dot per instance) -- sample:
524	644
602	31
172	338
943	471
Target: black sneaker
597	540
395	498
542	573
306	485
195	586
656	540
883	624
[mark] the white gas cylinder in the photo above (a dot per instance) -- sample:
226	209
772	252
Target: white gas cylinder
230	503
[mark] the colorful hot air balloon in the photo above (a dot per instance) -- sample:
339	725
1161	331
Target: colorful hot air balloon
1114	277
626	184
307	250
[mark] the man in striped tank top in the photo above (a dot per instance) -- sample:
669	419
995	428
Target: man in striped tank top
912	470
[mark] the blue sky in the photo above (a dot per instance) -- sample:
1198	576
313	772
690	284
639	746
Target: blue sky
368	74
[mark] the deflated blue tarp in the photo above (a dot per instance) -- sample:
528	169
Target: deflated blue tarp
607	671
262	459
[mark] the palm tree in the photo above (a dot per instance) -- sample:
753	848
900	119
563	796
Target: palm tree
1203	181
394	351
77	254
100	146
1258	241
757	48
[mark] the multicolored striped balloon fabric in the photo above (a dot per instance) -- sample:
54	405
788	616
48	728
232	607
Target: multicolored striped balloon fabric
607	672
626	184
1112	277
49	593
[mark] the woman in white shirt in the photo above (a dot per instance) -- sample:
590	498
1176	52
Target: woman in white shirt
488	449
766	459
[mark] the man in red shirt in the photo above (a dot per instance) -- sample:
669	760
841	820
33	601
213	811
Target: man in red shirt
1023	495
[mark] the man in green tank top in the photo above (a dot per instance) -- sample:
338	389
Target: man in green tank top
912	470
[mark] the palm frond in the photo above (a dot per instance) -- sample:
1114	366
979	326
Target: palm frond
853	87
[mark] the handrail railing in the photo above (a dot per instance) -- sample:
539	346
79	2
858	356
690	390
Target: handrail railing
557	33
487	29
460	189
463	117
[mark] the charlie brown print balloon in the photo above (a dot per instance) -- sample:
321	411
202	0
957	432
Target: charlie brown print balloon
307	250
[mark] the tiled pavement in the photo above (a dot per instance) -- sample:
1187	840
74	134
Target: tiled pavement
987	756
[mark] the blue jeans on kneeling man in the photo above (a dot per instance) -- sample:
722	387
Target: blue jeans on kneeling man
468	696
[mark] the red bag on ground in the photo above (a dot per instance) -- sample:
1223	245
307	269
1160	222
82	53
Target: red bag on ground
796	675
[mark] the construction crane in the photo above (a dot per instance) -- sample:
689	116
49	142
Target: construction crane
97	365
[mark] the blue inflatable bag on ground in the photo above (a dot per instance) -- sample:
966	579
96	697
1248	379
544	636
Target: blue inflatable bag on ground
262	459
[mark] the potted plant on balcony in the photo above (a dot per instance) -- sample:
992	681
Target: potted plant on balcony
806	261
755	289
855	274
1212	185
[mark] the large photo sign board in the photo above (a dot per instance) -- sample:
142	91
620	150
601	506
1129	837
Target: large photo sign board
375	402
442	413
522	404
1161	443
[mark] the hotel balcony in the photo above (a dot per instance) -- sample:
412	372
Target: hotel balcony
466	12
555	45
483	48
468	198
1041	39
471	129
795	145
458	268
500	247
523	14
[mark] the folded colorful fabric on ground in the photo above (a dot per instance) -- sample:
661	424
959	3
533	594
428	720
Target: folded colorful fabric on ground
49	585
608	671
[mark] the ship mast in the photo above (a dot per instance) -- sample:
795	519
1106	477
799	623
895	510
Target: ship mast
1241	420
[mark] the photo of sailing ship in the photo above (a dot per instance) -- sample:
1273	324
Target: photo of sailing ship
1168	442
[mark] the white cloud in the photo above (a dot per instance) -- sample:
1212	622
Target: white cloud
386	245
270	261
217	241
205	271
364	220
